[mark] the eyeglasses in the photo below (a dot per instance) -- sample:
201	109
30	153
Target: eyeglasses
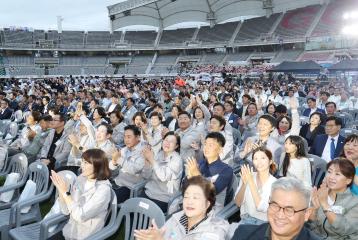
288	211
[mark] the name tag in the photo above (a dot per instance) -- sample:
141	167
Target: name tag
337	209
231	121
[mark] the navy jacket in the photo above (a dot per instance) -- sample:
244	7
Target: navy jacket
233	120
320	142
307	112
262	232
6	115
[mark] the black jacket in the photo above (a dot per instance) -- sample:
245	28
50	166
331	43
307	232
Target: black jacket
318	131
262	232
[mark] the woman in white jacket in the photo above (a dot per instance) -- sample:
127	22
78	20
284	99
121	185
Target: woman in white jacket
88	200
195	222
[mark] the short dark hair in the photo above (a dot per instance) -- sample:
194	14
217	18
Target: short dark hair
47	98
184	113
311	98
156	114
221	120
36	115
101	112
207	187
281	109
328	103
269	118
46	118
141	115
98	159
337	120
218	137
345	166
324	93
219	104
134	129
289	120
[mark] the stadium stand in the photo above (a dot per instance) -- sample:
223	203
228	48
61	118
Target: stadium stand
72	38
17	37
164	64
256	27
177	36
331	22
140	37
241	56
316	56
297	22
218	33
98	38
286	55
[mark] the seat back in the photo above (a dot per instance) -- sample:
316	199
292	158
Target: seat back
347	131
13	129
137	214
3	157
18	116
4	124
39	174
69	177
230	194
318	169
18	164
237	136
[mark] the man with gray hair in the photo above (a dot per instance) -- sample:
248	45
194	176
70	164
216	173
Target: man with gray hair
289	209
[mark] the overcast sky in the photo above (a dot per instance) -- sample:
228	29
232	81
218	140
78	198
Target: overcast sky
41	14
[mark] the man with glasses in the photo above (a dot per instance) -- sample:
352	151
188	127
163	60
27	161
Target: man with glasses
56	148
287	213
329	146
5	111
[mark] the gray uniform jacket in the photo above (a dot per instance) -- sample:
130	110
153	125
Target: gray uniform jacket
210	229
164	176
62	150
33	149
88	210
130	164
346	224
118	134
187	137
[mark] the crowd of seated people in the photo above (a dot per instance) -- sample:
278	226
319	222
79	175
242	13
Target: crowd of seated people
247	142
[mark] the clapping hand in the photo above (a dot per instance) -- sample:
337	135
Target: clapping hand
115	156
59	183
246	174
152	233
192	167
148	155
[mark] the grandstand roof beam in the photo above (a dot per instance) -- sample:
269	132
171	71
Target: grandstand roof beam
128	5
160	17
211	15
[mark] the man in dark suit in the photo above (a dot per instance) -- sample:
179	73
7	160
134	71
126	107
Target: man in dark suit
5	111
242	112
231	117
312	107
329	146
287	213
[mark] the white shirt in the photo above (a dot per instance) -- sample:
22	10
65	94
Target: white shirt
112	107
244	108
334	98
248	204
275	99
300	169
344	105
326	154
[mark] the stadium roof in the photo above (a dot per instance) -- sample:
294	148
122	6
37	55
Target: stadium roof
164	13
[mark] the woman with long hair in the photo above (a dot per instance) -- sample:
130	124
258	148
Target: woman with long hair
313	128
255	187
295	163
